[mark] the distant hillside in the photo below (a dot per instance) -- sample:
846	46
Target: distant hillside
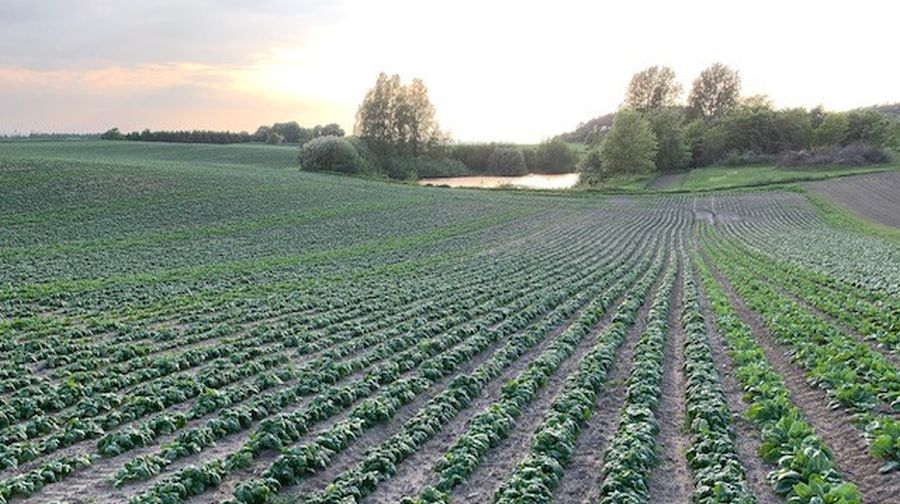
595	125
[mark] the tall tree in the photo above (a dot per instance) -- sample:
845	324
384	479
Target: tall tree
715	92
394	118
630	146
375	117
416	119
652	88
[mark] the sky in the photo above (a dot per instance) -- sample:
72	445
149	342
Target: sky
496	70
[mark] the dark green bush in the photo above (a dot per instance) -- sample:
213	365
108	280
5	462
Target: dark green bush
331	154
507	161
552	156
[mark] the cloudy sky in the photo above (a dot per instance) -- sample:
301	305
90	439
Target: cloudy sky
496	70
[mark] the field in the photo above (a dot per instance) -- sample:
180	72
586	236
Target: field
198	324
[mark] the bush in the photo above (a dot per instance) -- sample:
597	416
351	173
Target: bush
858	154
552	156
630	146
408	167
476	157
507	161
440	167
591	167
331	154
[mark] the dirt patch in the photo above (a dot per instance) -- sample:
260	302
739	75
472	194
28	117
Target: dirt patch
847	445
875	196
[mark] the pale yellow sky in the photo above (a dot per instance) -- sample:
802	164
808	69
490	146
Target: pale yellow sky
515	71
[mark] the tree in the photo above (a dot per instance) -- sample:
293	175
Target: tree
274	138
831	130
553	156
507	161
375	118
630	146
398	119
332	129
112	134
715	92
652	88
868	126
673	152
262	134
292	132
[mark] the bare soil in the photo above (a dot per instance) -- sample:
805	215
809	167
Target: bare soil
875	196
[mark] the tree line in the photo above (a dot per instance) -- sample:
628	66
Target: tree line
397	135
278	133
654	131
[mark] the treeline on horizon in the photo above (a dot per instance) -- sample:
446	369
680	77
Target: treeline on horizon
397	135
279	133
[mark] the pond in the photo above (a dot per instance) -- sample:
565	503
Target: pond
530	181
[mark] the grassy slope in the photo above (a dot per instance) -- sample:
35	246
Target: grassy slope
716	178
721	177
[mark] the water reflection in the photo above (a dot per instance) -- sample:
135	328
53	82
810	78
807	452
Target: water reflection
530	181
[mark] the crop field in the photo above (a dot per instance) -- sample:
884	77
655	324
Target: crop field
187	324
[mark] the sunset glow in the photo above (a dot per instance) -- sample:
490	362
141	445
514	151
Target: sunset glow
518	71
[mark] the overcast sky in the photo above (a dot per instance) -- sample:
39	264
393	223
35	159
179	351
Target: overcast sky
516	71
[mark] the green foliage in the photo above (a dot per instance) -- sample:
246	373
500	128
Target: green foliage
398	119
673	151
831	130
330	154
112	134
630	146
869	126
714	93
652	88
274	138
507	161
553	156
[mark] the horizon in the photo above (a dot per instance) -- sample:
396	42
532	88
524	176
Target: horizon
216	65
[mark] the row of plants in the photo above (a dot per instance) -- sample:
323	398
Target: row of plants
553	443
496	421
717	471
803	468
286	430
380	462
631	455
878	321
852	374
